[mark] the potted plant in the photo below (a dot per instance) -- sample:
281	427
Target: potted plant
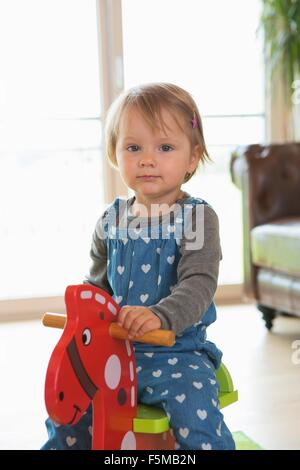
280	21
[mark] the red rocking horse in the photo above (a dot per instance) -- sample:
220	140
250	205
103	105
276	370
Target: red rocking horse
94	362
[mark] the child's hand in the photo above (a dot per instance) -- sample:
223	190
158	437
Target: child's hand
138	320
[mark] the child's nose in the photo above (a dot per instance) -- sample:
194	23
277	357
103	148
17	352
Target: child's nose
147	160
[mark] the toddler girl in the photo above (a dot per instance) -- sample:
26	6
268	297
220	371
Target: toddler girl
157	253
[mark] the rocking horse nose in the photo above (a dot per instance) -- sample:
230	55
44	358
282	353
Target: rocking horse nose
61	396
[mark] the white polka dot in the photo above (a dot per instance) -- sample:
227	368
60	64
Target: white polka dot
100	298
112	372
129	441
111	308
131	371
86	294
128	348
133	396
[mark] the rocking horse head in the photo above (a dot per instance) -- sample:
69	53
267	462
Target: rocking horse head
87	362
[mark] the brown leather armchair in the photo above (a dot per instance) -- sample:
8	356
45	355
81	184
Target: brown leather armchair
269	180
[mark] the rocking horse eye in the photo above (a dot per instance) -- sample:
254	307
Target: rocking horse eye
86	337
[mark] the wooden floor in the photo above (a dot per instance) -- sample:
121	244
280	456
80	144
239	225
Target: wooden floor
261	364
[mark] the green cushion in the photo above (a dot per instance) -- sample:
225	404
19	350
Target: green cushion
150	420
243	442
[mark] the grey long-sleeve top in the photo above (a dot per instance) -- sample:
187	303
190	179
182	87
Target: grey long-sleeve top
197	272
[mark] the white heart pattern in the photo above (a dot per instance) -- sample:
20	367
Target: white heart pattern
159	280
214	402
202	414
193	367
149	389
149	354
156	373
180	398
119	299
177	376
184	432
144	297
120	269
171	259
206	446
198	385
165	393
173	361
71	441
158	251
130	284
138	369
146	268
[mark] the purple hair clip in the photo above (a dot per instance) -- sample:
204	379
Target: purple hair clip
194	121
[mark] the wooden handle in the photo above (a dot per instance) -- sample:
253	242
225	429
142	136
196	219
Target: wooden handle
54	320
156	337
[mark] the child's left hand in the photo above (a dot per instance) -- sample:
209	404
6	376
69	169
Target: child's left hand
138	320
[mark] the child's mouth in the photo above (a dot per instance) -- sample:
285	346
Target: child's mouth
148	177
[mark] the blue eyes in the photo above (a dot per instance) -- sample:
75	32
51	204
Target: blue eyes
133	148
166	148
136	148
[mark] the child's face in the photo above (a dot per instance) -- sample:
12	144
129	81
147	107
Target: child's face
152	163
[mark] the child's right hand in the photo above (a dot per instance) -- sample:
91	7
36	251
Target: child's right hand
138	320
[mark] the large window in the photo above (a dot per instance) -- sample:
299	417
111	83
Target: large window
210	48
50	138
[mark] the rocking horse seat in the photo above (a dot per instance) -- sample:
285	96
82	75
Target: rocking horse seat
152	420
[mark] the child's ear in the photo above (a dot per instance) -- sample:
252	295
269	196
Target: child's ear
195	156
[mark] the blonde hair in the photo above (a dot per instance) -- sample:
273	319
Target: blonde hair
149	100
